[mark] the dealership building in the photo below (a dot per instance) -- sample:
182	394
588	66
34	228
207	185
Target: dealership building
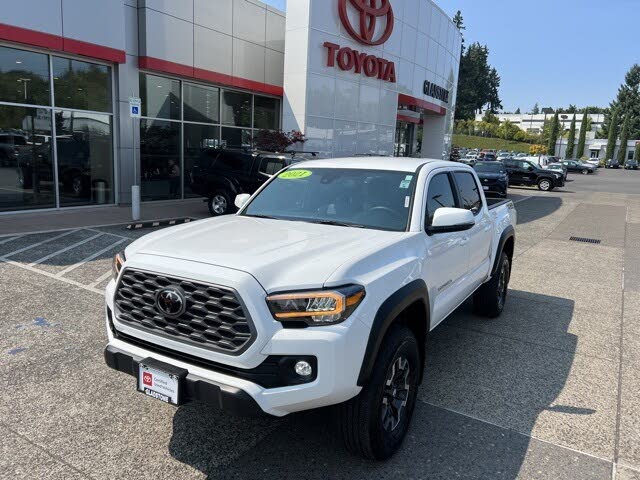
356	77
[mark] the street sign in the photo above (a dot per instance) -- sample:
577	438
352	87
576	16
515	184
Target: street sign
135	107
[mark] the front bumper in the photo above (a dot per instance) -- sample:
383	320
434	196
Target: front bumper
223	396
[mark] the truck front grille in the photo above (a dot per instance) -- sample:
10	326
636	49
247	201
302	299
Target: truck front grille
214	317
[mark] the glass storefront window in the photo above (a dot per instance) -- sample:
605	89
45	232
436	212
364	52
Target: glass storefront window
160	159
85	158
236	109
26	165
24	77
160	97
266	113
197	140
81	85
236	138
201	104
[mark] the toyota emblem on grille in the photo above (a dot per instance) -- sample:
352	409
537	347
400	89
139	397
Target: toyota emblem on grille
171	302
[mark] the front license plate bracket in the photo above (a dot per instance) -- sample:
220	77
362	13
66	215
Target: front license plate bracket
161	381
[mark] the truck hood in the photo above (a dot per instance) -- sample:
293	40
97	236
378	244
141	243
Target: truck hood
280	254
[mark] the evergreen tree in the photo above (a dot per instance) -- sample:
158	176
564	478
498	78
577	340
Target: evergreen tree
517	112
636	154
553	137
571	141
613	135
624	139
582	138
627	103
536	109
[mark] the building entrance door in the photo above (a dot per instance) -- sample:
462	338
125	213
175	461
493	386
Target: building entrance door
404	139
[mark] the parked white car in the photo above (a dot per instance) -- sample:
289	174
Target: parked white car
594	161
320	291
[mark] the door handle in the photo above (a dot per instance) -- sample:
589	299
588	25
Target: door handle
464	241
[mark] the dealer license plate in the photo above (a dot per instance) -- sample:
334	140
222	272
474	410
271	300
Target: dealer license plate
485	187
158	384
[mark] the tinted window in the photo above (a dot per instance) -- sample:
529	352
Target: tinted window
160	97
236	109
82	85
439	194
366	198
160	159
201	104
468	191
494	167
266	113
24	77
271	165
197	140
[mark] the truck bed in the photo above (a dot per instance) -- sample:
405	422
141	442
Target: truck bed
496	202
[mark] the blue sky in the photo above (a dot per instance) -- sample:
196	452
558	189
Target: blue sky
554	52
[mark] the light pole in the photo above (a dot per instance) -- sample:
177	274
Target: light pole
25	82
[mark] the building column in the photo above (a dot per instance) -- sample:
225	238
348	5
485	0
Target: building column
433	131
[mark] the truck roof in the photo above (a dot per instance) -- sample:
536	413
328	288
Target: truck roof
402	164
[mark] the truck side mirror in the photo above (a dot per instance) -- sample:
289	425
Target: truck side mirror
447	220
241	200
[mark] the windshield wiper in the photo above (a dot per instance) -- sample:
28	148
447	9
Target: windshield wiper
336	223
264	216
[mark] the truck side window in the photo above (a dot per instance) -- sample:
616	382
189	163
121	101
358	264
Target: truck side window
468	191
271	166
439	194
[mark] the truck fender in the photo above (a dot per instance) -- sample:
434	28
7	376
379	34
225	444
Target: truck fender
223	183
508	233
416	291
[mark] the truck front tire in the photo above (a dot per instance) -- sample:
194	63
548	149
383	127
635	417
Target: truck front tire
490	298
220	204
374	423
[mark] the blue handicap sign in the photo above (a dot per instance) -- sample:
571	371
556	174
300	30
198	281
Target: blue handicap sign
134	110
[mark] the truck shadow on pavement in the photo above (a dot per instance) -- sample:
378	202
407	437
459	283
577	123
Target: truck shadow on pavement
486	383
542	207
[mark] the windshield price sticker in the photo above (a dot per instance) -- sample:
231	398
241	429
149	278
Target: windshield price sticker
295	174
405	183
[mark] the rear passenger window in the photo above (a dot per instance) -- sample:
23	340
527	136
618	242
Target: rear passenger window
271	166
439	194
468	190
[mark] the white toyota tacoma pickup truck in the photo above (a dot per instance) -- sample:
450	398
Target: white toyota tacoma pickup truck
320	291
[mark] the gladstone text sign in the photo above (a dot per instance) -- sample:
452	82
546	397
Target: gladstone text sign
435	91
370	14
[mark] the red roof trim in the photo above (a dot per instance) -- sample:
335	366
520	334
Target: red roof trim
159	65
417	102
55	42
409	119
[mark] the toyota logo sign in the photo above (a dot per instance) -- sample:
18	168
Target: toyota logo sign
369	13
171	302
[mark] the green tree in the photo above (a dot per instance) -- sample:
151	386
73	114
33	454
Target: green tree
553	137
612	135
627	104
517	112
478	83
536	109
624	139
582	138
571	141
490	117
508	130
636	153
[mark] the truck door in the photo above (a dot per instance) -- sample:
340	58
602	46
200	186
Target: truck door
446	256
480	236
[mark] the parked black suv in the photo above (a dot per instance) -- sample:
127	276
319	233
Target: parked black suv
493	177
221	174
612	163
524	172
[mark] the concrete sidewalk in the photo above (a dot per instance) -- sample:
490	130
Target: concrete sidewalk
99	216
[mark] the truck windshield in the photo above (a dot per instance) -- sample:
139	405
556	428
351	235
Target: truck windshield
377	199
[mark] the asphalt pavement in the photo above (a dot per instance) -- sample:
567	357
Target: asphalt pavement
547	391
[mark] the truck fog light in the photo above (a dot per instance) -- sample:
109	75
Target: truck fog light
303	368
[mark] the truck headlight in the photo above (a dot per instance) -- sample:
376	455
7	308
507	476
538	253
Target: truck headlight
118	262
321	307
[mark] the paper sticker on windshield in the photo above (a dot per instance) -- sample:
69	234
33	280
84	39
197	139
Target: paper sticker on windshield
405	183
406	202
295	174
